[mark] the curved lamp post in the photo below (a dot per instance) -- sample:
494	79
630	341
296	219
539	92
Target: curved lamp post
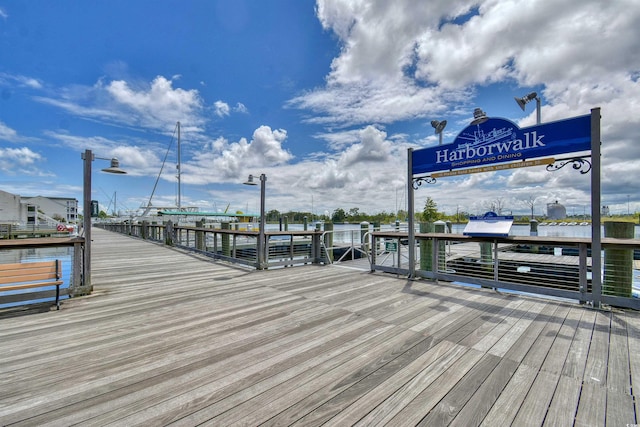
88	158
261	232
530	97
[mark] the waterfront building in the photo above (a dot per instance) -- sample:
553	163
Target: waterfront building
556	211
16	209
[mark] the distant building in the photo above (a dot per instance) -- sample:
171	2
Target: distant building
556	211
605	211
33	210
10	208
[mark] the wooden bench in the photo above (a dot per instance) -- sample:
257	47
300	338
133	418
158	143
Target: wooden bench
31	275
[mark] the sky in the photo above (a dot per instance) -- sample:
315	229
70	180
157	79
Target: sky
323	97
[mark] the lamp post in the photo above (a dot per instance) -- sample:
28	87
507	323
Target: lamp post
439	126
88	157
261	231
530	97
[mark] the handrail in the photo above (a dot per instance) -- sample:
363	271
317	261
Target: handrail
282	248
553	266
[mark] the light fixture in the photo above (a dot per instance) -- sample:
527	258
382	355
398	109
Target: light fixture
114	168
479	116
438	127
250	181
261	244
528	98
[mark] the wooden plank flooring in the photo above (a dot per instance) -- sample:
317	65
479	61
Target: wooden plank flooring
170	337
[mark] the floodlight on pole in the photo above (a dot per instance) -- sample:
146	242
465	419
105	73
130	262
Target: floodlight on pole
261	231
528	98
479	116
88	157
438	127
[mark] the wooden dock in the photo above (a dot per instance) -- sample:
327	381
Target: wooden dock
174	338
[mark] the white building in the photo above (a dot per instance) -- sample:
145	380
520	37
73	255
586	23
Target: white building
556	211
15	209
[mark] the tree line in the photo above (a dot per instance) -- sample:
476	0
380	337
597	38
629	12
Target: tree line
430	213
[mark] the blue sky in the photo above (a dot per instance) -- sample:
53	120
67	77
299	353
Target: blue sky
323	97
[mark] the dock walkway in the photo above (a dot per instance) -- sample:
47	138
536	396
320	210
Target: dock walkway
170	337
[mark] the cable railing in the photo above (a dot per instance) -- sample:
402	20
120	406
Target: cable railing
239	246
552	266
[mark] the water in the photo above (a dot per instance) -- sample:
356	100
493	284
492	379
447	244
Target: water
65	254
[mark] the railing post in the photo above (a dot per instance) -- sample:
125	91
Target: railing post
618	263
582	271
426	248
169	233
200	235
328	240
374	249
364	229
226	250
316	251
77	268
291	251
496	265
439	227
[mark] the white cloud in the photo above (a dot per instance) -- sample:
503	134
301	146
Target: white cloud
155	106
221	160
159	103
7	134
241	108
136	159
373	147
401	60
22	81
3	14
19	160
221	108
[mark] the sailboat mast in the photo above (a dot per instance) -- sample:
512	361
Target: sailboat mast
178	167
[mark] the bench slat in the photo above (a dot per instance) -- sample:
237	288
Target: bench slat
30	285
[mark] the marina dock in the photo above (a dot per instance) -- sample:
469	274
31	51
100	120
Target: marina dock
173	337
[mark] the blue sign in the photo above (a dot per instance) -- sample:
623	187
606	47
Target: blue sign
500	140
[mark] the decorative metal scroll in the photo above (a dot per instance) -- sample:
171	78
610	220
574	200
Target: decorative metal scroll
417	182
580	164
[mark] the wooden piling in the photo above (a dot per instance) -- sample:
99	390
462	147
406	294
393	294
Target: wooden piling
426	247
618	263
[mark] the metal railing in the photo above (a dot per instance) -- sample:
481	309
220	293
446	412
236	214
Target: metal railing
282	248
553	266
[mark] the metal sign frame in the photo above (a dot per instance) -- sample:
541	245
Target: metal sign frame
573	135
